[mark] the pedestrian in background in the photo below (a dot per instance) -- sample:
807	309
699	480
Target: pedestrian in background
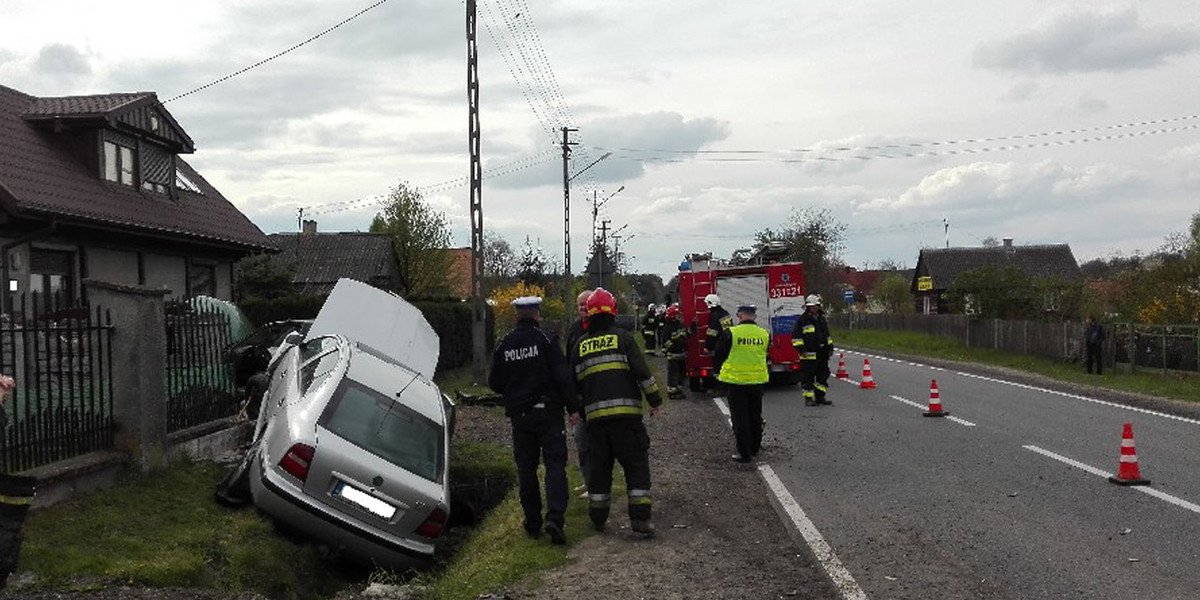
1093	345
16	496
577	330
743	354
612	377
809	342
529	369
821	385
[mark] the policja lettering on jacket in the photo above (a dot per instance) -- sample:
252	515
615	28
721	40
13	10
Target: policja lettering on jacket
521	353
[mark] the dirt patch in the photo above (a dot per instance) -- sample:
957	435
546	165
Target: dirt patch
718	534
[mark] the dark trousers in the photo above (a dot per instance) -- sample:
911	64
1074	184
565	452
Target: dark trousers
676	371
650	338
745	410
809	371
619	440
1093	355
821	385
539	434
582	450
16	496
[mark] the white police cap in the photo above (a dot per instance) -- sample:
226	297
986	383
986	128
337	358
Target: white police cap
528	302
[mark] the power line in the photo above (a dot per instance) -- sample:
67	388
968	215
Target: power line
898	155
271	58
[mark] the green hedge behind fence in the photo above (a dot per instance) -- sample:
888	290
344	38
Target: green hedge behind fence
451	319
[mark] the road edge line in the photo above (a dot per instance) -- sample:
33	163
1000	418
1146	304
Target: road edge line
842	580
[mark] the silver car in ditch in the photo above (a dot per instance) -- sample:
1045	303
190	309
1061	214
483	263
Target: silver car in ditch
353	438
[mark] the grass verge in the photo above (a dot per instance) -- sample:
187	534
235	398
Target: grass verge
1171	384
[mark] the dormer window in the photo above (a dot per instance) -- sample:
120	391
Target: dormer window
154	123
118	163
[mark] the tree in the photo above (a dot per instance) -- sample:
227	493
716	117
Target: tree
990	242
499	260
420	238
893	294
816	238
648	288
531	267
262	276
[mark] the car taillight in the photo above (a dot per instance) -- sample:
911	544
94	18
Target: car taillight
704	372
297	459
432	527
795	366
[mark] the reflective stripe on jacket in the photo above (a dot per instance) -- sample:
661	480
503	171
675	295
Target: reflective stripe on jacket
611	375
747	360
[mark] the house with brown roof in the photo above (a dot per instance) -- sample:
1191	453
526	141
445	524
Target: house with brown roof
317	260
94	187
938	268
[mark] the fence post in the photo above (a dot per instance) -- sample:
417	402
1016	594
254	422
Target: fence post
139	380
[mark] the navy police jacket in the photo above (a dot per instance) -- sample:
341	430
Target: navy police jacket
528	368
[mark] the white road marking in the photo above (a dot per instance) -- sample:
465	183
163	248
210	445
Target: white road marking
724	408
1054	392
1105	474
926	407
842	579
850	381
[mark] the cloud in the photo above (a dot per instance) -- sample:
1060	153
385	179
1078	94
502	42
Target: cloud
1185	161
1089	105
1020	92
993	190
1082	41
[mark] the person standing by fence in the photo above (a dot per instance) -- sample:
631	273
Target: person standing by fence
16	496
1093	345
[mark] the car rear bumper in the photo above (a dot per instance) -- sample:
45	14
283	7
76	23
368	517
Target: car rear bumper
331	528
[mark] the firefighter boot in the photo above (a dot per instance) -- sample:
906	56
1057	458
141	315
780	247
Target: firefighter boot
645	528
599	516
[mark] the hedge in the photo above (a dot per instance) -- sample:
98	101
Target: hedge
451	319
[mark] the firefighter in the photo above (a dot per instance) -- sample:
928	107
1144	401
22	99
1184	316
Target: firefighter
612	378
574	333
529	369
660	333
676	349
821	385
719	322
650	328
810	345
743	354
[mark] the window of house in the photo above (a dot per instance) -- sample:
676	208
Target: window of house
51	279
202	280
154	123
118	163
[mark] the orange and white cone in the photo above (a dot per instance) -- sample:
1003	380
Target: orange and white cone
935	401
841	372
868	382
1128	472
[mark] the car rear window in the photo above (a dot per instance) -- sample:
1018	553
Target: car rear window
386	428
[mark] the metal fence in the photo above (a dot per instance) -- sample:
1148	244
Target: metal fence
199	386
1166	347
62	405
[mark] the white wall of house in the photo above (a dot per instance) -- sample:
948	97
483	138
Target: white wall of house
113	266
166	272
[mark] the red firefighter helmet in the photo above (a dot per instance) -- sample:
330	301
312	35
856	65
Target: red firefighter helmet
601	301
673	311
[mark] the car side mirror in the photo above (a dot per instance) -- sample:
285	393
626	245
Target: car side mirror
294	338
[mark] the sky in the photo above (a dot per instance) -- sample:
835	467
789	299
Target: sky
912	123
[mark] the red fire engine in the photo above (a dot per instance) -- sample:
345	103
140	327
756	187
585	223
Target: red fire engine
777	289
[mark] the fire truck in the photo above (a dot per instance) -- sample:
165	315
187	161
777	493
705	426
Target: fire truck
776	288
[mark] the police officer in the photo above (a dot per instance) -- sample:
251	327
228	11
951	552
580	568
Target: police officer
743	354
612	378
529	369
809	343
675	347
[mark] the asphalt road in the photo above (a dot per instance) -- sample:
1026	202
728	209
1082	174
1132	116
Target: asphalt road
1009	499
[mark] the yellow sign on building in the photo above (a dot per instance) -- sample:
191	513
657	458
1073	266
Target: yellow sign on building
924	284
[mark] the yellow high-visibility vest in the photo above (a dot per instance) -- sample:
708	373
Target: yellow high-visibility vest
747	362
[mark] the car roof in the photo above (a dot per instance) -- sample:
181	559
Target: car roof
369	367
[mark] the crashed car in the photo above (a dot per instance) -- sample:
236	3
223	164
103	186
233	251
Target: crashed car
352	440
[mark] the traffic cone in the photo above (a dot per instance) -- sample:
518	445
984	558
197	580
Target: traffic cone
841	372
935	401
868	382
1127	470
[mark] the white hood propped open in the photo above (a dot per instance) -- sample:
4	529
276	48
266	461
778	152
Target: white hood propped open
380	320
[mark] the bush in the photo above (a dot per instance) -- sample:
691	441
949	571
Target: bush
261	311
452	320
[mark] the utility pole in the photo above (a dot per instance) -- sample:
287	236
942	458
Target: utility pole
602	249
568	289
478	332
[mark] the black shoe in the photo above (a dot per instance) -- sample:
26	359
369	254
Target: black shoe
554	530
645	528
741	459
827	402
810	403
533	531
598	526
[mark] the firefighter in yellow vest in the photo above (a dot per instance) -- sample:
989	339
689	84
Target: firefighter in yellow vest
742	351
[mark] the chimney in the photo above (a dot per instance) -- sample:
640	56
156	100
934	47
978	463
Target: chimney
310	228
1007	241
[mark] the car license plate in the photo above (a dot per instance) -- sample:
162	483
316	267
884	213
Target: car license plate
363	500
